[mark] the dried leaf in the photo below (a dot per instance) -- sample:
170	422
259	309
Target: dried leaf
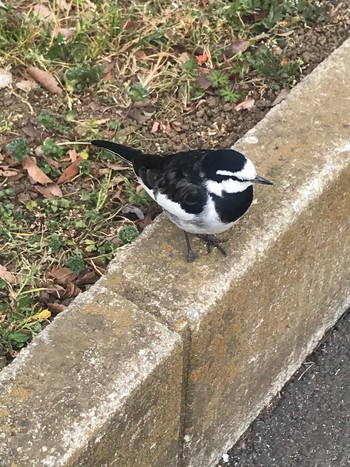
52	190
71	290
73	155
89	277
140	116
247	104
35	172
281	96
43	13
6	172
166	128
5	78
67	33
133	209
277	51
70	171
236	47
203	81
202	58
139	188
30	130
56	307
101	121
153	209
61	275
155	127
184	57
99	172
141	104
6	275
25	85
46	79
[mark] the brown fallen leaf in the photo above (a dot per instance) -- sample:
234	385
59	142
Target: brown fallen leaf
203	81
30	130
238	46
73	155
6	275
25	85
70	171
43	13
139	188
46	79
277	51
7	172
247	104
166	128
140	116
101	121
61	275
133	210
155	127
35	172
51	190
281	96
89	277
56	307
153	210
71	290
184	57
67	33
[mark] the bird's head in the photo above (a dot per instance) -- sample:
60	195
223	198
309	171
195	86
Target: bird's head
231	172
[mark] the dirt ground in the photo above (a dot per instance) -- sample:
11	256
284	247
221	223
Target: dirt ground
212	122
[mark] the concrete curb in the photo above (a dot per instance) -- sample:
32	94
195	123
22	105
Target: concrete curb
188	354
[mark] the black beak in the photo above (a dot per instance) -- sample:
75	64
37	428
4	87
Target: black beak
262	180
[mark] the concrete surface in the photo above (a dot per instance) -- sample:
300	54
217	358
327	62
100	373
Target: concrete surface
308	425
246	321
100	387
255	315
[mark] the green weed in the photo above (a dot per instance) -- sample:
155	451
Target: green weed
128	234
19	148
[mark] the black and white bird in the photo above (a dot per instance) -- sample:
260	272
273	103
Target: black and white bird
204	192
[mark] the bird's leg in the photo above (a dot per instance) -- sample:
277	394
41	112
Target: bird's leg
190	253
212	242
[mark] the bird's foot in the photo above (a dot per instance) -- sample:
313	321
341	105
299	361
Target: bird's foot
191	256
212	242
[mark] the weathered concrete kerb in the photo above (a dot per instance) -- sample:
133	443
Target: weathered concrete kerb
165	363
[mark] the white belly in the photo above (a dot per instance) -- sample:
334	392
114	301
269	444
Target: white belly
208	222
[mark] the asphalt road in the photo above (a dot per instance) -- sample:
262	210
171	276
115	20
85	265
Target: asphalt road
308	425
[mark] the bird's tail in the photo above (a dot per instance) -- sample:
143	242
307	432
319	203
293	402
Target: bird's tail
124	152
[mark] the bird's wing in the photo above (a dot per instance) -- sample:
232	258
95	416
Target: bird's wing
180	179
177	177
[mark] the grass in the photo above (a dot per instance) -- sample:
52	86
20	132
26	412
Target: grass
154	46
130	55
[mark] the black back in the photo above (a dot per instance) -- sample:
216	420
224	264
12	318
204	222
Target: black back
182	176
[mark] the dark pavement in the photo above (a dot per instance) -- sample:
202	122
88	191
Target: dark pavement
309	425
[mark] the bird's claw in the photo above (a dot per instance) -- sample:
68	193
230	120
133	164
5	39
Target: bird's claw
212	242
191	256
